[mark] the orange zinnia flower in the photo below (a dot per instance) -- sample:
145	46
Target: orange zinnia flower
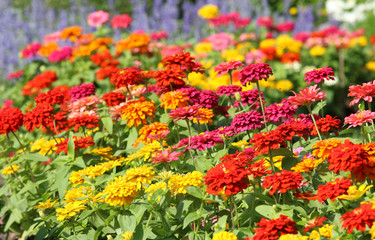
173	100
47	49
204	115
148	130
72	33
322	149
136	112
138	41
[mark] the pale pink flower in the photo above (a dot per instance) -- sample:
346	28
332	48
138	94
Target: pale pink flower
52	37
254	56
307	96
81	114
165	156
97	19
116	112
139	91
85	104
159	136
359	118
365	92
221	41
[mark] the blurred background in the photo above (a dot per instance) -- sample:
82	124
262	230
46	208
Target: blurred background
26	21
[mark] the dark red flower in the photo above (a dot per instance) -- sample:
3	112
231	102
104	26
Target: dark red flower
11	120
265	141
182	60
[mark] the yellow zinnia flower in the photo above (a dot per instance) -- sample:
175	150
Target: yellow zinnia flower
208	11
128	235
45	205
326	231
284	85
10	169
317	51
371	66
120	192
224	236
69	210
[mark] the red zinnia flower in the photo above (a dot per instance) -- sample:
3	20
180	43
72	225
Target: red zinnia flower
265	141
39	116
255	72
359	218
86	120
307	96
121	21
11	120
182	60
282	181
290	57
188	112
113	98
58	124
104	72
170	75
326	125
55	96
103	59
14	75
319	75
226	67
293	128
333	189
272	229
127	76
347	157
79	142
39	82
226	176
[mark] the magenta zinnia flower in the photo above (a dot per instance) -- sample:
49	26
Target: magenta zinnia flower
250	97
255	72
84	90
359	118
226	67
208	99
247	121
278	111
319	75
201	142
228	90
307	96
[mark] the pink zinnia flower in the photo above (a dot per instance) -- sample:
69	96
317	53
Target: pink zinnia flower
285	27
84	90
247	121
116	111
241	22
228	90
30	50
121	21
255	72
279	111
226	67
156	36
365	92
221	41
52	37
60	55
265	22
192	93
188	112
359	118
201	142
166	156
85	104
98	18
307	96
158	136
319	75
254	56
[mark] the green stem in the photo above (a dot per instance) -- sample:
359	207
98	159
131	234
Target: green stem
129	92
188	124
231	211
271	159
316	126
149	219
262	107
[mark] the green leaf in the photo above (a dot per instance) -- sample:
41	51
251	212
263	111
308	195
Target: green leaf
191	217
41	233
133	135
138	211
195	192
232	111
127	222
15	216
289	162
34	156
183	206
71	148
107	122
222	223
266	211
318	107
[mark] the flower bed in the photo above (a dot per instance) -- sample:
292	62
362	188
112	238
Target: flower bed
137	139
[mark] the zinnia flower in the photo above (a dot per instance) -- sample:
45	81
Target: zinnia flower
188	113
137	111
97	19
120	192
114	98
229	90
282	181
319	75
168	76
313	223
150	129
333	189
326	125
11	120
307	96
174	99
227	67
355	193
166	156
322	149
121	21
255	72
359	118
359	218
272	229
39	116
81	91
208	99
228	177
208	11
223	235
127	76
247	121
365	92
